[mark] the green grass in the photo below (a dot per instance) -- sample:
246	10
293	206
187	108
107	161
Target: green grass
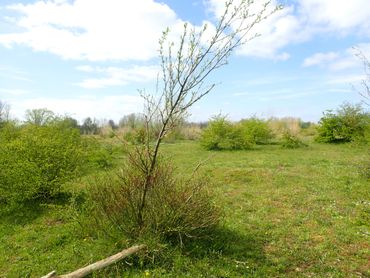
287	213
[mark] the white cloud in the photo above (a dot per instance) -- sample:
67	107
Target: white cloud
12	73
92	30
273	31
113	107
338	61
98	30
117	76
340	16
14	92
320	58
300	21
346	79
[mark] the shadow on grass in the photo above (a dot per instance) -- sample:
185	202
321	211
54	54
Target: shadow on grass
27	212
223	251
228	243
20	214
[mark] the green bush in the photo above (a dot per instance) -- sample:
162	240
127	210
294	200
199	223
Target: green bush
36	160
136	136
256	131
221	134
349	123
98	156
175	209
291	141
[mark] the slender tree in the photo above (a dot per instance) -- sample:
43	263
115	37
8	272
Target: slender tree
185	67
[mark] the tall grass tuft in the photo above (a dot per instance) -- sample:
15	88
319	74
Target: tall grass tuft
176	208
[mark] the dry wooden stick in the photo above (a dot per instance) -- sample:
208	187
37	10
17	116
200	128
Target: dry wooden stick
82	272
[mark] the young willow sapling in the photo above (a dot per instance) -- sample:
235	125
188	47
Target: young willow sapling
185	67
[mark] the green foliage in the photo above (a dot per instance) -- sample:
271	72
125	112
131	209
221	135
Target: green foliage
256	131
221	134
291	141
98	156
349	123
176	208
36	160
135	136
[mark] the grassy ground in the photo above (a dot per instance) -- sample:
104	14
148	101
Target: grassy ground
287	213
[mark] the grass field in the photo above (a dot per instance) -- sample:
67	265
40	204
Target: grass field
287	213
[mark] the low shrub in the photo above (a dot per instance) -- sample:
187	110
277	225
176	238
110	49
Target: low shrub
221	134
135	136
176	208
256	131
291	141
36	160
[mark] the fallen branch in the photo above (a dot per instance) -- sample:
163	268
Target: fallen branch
82	272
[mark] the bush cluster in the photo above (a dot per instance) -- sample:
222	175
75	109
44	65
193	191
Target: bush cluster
348	123
222	134
36	160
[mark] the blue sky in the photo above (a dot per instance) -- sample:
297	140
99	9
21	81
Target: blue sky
89	57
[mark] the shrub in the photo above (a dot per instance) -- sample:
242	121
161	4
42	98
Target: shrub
256	131
348	124
135	136
291	141
98	155
176	208
36	160
221	134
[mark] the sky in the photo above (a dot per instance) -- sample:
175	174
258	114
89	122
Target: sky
89	58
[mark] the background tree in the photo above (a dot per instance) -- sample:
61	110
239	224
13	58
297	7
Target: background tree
112	124
132	120
89	126
41	116
4	112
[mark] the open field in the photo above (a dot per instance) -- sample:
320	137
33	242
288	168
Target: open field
287	213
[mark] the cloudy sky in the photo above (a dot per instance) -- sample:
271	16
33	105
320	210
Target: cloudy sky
89	57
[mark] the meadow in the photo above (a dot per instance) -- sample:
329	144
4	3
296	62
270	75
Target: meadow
286	213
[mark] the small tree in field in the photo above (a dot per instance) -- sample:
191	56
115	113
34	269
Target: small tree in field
185	67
